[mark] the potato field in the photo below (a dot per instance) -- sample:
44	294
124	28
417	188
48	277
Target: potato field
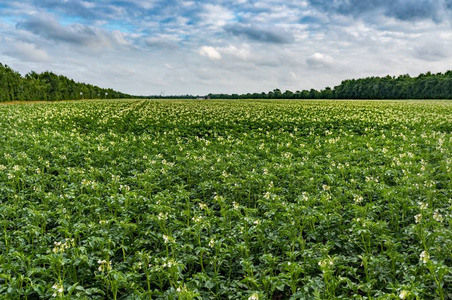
226	199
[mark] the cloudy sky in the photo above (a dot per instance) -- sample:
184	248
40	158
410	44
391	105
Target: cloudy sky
175	47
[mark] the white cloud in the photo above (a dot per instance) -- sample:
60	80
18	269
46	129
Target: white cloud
87	4
26	51
210	52
241	53
187	3
119	38
319	60
48	27
431	51
146	4
163	41
215	15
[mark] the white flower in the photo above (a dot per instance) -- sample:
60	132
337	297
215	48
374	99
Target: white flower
437	216
418	218
326	262
254	296
235	205
59	289
358	199
212	243
197	219
124	188
404	294
169	264
104	265
162	216
168	239
60	246
424	257
423	205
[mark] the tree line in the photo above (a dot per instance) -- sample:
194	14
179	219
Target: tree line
424	86
48	86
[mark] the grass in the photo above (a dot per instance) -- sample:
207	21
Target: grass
174	199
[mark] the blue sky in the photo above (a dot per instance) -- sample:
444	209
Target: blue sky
197	47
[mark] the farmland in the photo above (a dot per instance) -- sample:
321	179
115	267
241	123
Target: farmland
141	199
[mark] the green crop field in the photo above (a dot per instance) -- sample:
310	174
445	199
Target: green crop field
168	199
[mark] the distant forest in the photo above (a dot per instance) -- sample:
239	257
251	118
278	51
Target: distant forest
49	86
424	86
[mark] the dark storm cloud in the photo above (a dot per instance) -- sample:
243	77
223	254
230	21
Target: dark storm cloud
405	10
274	35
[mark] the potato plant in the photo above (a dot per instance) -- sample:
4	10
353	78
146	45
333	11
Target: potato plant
166	199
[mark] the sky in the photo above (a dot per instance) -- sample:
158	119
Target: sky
178	47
